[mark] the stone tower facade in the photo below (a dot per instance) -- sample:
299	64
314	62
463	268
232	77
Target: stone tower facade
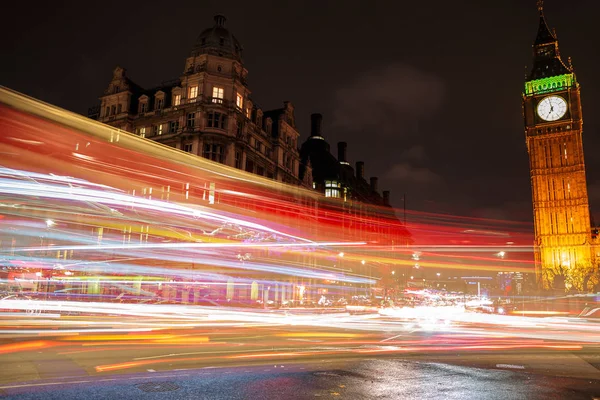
553	128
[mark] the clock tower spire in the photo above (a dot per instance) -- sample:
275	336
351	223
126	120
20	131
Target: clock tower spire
553	131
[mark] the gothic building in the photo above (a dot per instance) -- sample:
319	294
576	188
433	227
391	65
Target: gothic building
565	245
348	190
208	111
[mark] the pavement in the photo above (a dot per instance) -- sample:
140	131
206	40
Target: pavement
197	353
356	380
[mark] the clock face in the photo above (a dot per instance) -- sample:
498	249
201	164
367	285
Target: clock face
552	108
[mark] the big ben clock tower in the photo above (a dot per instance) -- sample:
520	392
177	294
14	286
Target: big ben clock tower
553	130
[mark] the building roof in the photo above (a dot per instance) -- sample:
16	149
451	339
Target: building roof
219	41
546	56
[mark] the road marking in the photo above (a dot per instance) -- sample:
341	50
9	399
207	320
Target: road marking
511	366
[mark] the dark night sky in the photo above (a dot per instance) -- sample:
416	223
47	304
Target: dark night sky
427	93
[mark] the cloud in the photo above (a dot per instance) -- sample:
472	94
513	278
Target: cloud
414	153
407	172
388	101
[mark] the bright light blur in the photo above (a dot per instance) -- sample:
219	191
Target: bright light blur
143	256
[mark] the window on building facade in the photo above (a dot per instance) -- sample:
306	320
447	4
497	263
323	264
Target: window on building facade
258	146
249	166
218	94
240	128
188	147
120	109
173	126
238	160
159	104
260	170
142	131
332	189
191	120
176	99
143	107
213	152
107	113
113	110
239	101
193	92
248	112
216	120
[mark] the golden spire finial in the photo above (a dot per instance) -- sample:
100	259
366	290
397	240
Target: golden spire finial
540	5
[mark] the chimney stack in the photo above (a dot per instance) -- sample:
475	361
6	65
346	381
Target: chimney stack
342	152
374	183
360	170
315	124
386	197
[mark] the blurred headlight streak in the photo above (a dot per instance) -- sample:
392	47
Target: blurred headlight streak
139	254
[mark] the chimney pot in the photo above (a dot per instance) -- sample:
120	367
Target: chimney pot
315	124
386	197
374	180
342	146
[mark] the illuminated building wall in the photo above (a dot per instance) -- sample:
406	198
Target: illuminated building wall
209	112
364	213
553	129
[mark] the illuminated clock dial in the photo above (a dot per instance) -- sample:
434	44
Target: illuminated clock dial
552	108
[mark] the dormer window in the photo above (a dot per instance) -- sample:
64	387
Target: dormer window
218	95
143	107
268	126
176	100
159	104
239	101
